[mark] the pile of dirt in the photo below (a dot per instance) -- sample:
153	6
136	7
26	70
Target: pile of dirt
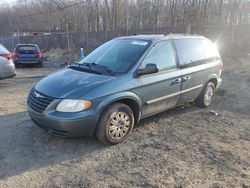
57	57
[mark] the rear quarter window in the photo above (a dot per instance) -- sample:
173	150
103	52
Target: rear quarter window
189	50
210	49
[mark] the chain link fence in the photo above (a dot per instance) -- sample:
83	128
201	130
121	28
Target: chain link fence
232	36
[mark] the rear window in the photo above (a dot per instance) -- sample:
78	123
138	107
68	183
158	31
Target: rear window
210	49
3	50
189	50
26	48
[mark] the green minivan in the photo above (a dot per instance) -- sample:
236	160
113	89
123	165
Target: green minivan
123	81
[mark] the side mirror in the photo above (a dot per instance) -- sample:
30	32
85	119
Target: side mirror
149	69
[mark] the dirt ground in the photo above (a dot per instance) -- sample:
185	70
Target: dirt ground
183	147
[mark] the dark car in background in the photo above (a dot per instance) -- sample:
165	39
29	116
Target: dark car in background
123	81
7	68
28	54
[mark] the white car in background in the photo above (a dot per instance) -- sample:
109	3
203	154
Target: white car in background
7	67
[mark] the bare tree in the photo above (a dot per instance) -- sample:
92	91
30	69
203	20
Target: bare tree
112	15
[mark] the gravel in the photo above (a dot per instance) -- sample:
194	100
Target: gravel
182	147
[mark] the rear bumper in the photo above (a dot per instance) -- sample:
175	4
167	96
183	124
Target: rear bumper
69	128
28	60
7	71
219	83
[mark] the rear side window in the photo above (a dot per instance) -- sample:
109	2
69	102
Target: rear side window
26	48
189	50
162	55
209	48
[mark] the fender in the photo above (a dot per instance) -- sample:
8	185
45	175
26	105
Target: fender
119	96
211	76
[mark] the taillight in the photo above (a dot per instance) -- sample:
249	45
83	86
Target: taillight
7	56
221	66
15	54
39	54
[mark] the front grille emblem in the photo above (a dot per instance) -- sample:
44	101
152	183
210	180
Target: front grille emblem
38	95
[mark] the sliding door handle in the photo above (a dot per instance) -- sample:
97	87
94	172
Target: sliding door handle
186	78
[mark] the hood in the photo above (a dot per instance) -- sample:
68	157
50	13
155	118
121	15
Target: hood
69	83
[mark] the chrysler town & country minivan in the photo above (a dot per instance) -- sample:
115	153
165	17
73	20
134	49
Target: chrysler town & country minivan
123	81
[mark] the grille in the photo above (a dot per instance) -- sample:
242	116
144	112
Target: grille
38	102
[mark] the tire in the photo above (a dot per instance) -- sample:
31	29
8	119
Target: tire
115	124
206	96
40	65
18	65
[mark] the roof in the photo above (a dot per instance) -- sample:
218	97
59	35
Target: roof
154	38
27	44
150	38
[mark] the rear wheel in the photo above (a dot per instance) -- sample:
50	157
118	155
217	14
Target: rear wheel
206	96
40	65
18	65
115	124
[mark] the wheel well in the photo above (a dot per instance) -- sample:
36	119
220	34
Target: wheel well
133	105
214	80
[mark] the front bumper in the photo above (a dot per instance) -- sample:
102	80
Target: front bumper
65	127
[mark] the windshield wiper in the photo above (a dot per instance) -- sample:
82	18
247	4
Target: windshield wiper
84	67
102	67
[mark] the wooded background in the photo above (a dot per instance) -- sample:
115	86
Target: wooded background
87	23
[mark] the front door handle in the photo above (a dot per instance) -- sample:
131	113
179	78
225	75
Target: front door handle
186	78
176	81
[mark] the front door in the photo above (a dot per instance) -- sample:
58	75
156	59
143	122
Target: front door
160	90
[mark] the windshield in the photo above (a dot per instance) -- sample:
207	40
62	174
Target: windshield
117	55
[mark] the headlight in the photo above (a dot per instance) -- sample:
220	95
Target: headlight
70	105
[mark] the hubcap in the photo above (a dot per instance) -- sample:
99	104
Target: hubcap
119	125
209	95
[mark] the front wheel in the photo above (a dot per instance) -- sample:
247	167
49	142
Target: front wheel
115	124
206	96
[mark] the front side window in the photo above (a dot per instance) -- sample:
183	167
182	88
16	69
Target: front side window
117	55
162	55
189	50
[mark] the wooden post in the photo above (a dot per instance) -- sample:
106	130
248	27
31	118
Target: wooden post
68	37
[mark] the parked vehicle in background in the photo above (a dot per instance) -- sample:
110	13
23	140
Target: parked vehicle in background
28	54
7	68
123	81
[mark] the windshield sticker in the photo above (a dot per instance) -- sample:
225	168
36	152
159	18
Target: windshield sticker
141	43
